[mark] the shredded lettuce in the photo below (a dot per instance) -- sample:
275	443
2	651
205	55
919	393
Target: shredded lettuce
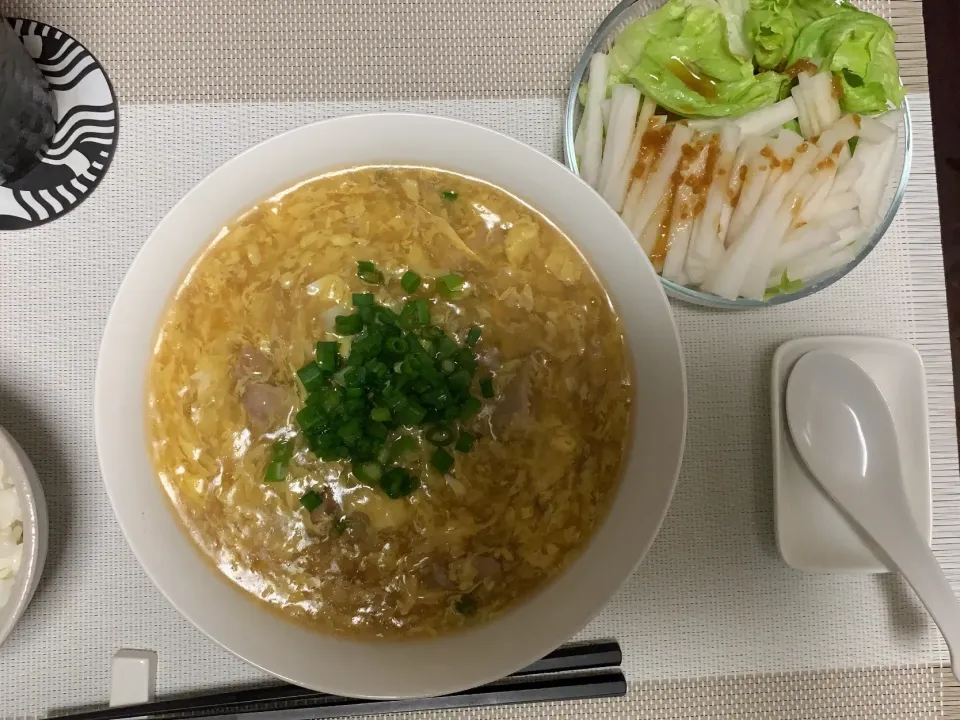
858	48
680	55
785	287
771	27
717	58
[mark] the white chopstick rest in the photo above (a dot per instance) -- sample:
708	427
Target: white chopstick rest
133	677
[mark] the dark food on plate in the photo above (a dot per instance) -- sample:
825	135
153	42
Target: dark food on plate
390	401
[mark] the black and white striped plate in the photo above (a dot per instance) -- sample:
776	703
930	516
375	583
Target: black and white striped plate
83	146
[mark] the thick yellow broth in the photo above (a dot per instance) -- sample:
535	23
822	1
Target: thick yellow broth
515	510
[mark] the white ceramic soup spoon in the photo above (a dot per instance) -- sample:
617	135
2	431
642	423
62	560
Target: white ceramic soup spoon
843	430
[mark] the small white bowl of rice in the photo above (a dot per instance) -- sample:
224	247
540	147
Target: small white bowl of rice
23	532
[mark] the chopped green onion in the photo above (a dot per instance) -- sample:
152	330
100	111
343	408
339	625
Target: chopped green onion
282	450
465	442
386	316
310	500
330	398
380	414
309	418
377	430
409	415
312	376
460	380
368	472
276	471
410	282
449	285
439	435
350	431
340	525
471	406
486	387
446	347
411	366
363	299
421	307
348	324
328	355
397	483
368	272
448	366
473	335
403	445
442	460
438	397
396	345
467	360
466	605
449	194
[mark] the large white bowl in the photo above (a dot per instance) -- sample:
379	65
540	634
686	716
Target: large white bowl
390	669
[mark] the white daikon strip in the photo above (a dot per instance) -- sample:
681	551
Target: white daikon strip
782	148
606	109
749	147
871	185
682	220
755	283
731	275
804	189
872	130
593	114
725	215
706	124
647	109
651	233
827	106
812	267
659	179
619	184
753	185
581	137
844	157
706	246
839	203
613	103
626	100
892	118
851	236
632	201
840	132
824	182
681	227
769	119
806	108
847	175
802	241
843	220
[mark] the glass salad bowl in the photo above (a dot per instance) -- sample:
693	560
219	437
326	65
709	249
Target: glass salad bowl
630	10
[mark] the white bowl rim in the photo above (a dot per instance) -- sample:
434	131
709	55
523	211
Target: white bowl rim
435	654
33	508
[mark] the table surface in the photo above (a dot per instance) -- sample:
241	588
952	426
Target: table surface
244	52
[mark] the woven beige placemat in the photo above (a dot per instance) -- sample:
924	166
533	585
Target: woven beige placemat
257	50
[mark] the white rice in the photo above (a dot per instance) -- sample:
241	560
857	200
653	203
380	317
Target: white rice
11	536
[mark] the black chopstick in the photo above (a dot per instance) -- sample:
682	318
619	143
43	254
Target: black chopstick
512	691
575	657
